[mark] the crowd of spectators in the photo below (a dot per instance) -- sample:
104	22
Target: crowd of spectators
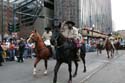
15	50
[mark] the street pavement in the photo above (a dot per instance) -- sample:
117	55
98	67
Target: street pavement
99	70
112	72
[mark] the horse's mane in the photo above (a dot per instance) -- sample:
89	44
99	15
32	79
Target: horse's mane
39	36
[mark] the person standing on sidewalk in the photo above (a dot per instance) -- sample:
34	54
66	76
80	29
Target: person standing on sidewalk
4	47
21	50
1	58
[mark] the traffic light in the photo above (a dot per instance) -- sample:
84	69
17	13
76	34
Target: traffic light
17	28
10	27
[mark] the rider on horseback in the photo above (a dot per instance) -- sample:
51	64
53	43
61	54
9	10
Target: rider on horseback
111	40
47	37
70	32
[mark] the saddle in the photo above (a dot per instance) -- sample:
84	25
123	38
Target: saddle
69	44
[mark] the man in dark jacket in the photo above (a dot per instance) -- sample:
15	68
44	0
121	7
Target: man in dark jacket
21	50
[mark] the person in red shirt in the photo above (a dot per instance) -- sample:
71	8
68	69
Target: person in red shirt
12	50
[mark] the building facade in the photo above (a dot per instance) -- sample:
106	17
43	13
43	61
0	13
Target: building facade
6	17
66	10
98	13
85	13
82	12
34	14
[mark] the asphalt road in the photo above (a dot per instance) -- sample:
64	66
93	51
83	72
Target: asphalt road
99	70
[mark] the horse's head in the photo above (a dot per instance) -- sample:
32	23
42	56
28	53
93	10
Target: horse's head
57	38
34	37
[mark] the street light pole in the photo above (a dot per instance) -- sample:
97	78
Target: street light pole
90	17
90	21
93	26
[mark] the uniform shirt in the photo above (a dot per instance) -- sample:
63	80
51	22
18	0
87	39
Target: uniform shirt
47	36
70	33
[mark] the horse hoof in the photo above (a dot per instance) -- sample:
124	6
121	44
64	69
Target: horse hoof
84	70
45	73
74	75
108	57
69	81
34	73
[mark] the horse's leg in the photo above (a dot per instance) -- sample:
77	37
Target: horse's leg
82	55
57	66
100	51
112	52
84	62
108	53
97	52
70	72
35	64
116	51
76	65
45	63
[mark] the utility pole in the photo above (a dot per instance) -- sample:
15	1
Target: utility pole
2	24
14	16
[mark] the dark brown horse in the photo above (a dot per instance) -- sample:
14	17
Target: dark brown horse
109	48
42	52
65	53
99	48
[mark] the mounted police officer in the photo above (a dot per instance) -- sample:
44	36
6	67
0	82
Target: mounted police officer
69	30
71	33
47	37
111	40
47	34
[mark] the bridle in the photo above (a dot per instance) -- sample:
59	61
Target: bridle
56	42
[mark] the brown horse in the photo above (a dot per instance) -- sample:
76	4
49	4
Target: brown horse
42	52
109	47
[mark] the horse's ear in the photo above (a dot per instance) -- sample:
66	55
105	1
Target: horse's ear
35	31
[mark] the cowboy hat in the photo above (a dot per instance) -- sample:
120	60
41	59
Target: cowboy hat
109	34
70	22
47	28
